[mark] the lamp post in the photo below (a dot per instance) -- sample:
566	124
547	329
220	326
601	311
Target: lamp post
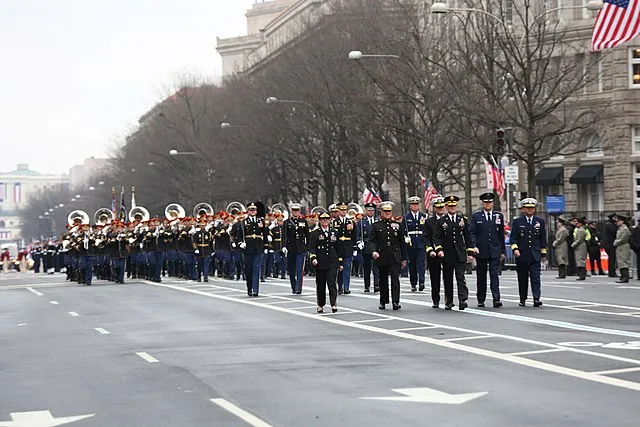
272	100
227	125
174	153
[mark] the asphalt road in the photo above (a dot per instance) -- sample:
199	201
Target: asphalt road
182	353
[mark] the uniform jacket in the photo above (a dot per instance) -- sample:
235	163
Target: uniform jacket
595	243
324	247
452	237
529	239
388	241
276	238
579	246
346	235
364	233
487	235
623	249
222	238
296	235
202	242
414	225
609	230
561	246
429	227
253	232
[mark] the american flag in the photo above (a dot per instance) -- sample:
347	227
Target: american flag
370	196
114	202
495	178
617	22
430	192
123	207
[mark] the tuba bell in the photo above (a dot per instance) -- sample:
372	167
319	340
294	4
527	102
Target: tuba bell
103	216
174	211
202	209
77	217
318	210
139	213
234	208
280	208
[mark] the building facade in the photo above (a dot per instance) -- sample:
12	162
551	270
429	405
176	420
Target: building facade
81	176
16	187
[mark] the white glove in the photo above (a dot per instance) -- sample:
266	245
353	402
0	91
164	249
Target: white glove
196	251
272	225
407	240
361	245
266	251
355	253
269	239
284	251
271	251
229	228
233	245
242	245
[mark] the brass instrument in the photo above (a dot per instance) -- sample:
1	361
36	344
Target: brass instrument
318	210
103	216
280	208
234	208
353	209
139	213
202	209
174	211
77	217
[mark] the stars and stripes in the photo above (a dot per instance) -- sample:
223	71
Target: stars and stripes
370	196
430	192
616	23
123	207
495	178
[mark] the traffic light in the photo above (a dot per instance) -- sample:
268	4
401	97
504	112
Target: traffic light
501	142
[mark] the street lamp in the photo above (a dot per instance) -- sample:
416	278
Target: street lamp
78	196
356	55
227	125
441	7
273	100
174	152
101	183
61	205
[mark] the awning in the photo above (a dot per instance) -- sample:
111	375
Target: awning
550	176
591	174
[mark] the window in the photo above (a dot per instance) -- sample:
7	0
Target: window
508	12
634	68
594	73
593	146
590	197
637	188
635	138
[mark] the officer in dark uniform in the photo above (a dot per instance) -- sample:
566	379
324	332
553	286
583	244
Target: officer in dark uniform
389	252
414	222
609	230
251	236
453	245
486	229
296	237
364	230
434	263
202	241
346	235
324	254
528	241
280	261
36	255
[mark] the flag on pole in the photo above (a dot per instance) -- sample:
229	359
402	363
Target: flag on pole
430	192
114	202
133	197
617	22
495	178
123	208
370	196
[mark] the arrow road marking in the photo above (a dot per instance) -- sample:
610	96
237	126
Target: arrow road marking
429	395
40	419
245	416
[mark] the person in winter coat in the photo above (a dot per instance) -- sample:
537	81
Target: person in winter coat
579	246
623	248
561	247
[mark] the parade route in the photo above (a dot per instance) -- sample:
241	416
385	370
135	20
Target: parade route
182	353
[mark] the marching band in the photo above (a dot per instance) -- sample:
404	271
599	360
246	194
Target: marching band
254	242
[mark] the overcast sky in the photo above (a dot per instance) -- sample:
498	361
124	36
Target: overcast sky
77	74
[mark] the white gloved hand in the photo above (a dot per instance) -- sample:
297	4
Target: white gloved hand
229	228
272	225
266	251
269	239
407	240
233	245
284	251
361	245
196	252
271	251
355	253
242	245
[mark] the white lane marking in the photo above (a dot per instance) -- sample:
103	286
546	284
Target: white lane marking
301	307
32	285
475	337
102	331
54	302
40	419
245	416
33	291
580	302
288	302
618	371
627	287
371	320
428	395
73	314
146	356
563	286
548	350
450	345
417	328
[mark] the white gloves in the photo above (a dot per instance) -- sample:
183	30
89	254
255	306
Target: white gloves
266	251
229	228
233	245
284	251
355	253
242	245
196	252
272	225
269	239
407	240
271	251
361	245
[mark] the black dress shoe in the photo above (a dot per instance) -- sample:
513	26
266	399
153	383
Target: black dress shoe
421	287
340	292
464	305
319	309
435	305
449	306
293	291
347	292
396	306
334	309
537	303
522	304
481	304
366	290
413	289
206	280
376	290
255	294
199	280
497	304
381	306
298	292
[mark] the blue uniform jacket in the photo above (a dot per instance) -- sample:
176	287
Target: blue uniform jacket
416	229
487	236
364	234
530	240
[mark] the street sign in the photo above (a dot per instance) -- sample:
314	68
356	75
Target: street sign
428	395
554	204
511	174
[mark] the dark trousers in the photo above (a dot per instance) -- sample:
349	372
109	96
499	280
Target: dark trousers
203	267
526	271
611	253
295	268
493	266
448	270
416	265
435	273
571	267
36	264
87	268
383	273
119	264
326	279
638	264
368	266
594	259
252	264
158	262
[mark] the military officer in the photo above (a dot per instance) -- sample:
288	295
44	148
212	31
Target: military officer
486	228
528	241
346	235
389	252
453	245
202	241
433	262
251	236
324	253
364	230
296	237
579	245
623	248
560	246
414	222
609	232
280	261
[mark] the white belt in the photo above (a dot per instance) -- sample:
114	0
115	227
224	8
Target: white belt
415	232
